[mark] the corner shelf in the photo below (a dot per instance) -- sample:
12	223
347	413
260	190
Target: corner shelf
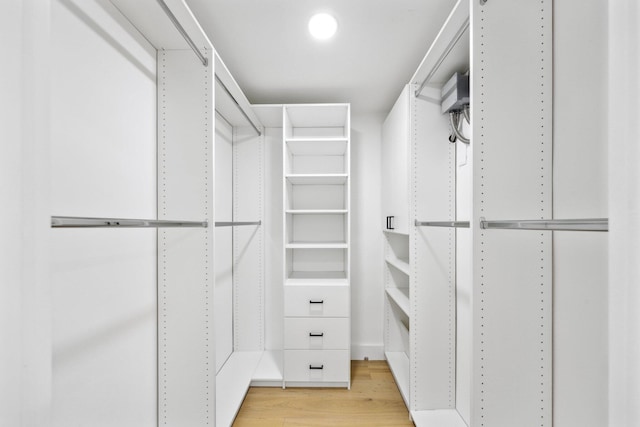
438	418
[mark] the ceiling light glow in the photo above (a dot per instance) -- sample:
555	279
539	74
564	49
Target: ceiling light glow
322	26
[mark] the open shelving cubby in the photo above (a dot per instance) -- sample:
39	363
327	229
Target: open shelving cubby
316	193
398	308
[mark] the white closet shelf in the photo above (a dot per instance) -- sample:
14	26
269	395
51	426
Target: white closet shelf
401	297
320	278
232	382
316	211
269	370
317	179
399	233
320	146
317	245
438	418
399	364
399	264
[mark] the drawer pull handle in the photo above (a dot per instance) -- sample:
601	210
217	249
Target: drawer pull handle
316	334
316	302
316	367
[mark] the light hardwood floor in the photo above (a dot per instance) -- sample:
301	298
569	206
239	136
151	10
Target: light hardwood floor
374	400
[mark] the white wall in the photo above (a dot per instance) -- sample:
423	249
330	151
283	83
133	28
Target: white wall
103	142
580	180
367	287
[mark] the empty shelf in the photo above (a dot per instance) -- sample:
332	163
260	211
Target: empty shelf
233	382
317	179
401	297
329	278
438	418
399	364
399	233
316	245
269	370
317	211
399	264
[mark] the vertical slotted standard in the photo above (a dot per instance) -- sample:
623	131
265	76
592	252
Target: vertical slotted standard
433	265
512	137
186	356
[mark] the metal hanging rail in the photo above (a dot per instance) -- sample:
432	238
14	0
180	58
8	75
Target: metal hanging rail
591	224
203	59
236	223
442	57
84	222
183	33
226	89
452	224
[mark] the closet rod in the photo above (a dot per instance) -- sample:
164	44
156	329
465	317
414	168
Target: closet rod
238	105
591	224
443	56
234	223
181	30
453	224
84	222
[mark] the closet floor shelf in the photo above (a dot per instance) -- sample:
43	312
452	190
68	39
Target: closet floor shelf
234	379
399	364
438	418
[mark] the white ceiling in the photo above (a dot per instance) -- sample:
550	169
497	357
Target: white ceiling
378	46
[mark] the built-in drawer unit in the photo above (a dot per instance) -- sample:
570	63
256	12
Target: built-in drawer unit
316	333
313	366
316	301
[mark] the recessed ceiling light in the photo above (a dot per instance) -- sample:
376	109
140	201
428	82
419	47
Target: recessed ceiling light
322	26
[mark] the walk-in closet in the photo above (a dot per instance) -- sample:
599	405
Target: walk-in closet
221	213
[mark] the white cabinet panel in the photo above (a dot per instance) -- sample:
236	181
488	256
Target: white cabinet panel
395	163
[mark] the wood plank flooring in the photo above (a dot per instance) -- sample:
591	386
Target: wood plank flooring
374	400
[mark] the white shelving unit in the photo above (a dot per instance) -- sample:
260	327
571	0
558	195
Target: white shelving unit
316	226
419	183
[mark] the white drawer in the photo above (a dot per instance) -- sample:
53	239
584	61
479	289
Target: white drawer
316	301
317	365
316	333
